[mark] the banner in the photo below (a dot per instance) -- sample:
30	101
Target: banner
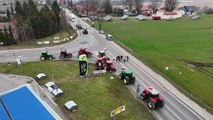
83	65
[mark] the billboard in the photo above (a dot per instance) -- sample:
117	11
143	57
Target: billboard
83	65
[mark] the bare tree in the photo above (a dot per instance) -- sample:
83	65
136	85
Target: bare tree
129	3
170	5
154	5
100	18
138	5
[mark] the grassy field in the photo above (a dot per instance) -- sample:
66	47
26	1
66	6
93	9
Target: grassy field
33	43
95	95
177	44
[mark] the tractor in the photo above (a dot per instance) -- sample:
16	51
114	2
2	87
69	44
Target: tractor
46	56
127	76
109	66
152	98
99	64
84	51
65	54
79	26
85	31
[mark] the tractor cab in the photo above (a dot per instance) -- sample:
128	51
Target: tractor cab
127	77
46	56
154	93
109	66
101	53
84	51
85	31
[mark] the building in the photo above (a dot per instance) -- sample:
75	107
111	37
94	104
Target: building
23	103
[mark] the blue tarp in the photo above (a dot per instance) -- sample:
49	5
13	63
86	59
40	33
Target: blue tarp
23	105
3	114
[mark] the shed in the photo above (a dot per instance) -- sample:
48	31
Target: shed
71	105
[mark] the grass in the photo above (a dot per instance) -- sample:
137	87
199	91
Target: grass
96	96
166	43
33	43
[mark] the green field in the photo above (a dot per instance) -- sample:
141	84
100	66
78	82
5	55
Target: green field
95	95
177	44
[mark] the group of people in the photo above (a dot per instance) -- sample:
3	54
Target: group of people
122	58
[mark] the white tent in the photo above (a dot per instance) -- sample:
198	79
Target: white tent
140	17
124	17
107	18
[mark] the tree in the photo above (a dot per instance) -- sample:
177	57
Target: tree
138	5
6	37
11	37
107	7
56	9
100	18
70	3
154	5
8	14
129	4
170	5
11	8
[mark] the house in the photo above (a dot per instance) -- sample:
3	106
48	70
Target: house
167	15
189	10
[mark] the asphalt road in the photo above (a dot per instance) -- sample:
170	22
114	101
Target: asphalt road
177	106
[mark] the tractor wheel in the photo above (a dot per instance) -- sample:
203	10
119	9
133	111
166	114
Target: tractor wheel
150	105
161	104
143	96
42	58
126	81
61	56
89	55
50	58
120	77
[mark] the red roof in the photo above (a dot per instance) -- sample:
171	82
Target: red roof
169	13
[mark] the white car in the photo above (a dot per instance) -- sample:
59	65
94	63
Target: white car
52	88
109	37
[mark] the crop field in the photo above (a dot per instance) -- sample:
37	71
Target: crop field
185	46
96	96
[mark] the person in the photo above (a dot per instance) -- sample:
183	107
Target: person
138	88
121	57
127	58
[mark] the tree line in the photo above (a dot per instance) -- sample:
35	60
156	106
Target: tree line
34	24
31	23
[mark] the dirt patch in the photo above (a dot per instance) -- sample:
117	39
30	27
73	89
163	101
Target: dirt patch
200	66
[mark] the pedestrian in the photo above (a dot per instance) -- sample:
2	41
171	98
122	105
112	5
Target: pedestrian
118	58
121	57
138	88
127	58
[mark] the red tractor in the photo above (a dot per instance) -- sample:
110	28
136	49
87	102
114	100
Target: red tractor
152	98
84	51
99	64
65	54
109	66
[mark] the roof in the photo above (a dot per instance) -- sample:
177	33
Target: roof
22	104
3	113
169	13
127	71
153	91
70	104
140	17
109	61
189	8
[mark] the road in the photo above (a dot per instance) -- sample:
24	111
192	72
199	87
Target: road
177	106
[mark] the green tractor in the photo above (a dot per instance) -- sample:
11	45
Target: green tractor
46	56
127	77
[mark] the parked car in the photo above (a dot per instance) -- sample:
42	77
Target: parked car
52	88
109	37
